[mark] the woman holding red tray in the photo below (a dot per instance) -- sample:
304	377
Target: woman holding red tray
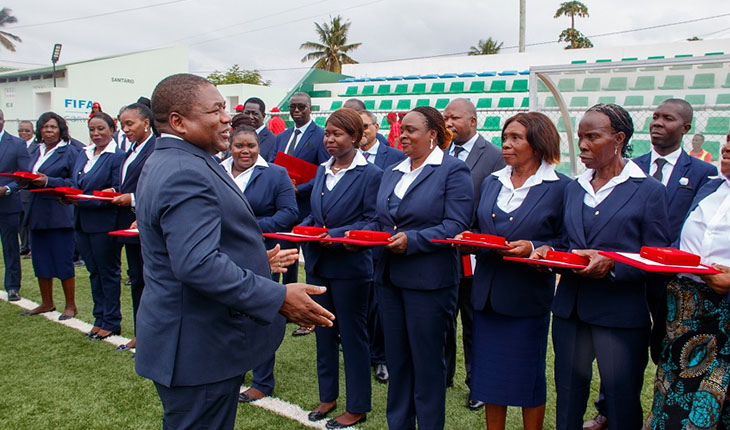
50	222
343	199
693	375
600	312
512	303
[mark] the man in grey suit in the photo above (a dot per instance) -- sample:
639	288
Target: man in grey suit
27	133
482	158
209	311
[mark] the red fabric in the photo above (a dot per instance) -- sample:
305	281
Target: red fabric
394	135
276	125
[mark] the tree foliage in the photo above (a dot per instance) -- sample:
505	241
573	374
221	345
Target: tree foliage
571	35
576	39
236	75
7	39
332	50
486	47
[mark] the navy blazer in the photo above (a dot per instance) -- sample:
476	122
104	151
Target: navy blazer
267	143
77	144
632	216
45	211
349	206
125	214
679	197
271	196
209	310
437	205
387	156
382	139
13	158
92	216
509	286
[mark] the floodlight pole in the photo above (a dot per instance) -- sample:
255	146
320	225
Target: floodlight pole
522	25
54	59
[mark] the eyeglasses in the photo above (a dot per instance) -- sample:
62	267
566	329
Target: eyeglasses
299	107
366	125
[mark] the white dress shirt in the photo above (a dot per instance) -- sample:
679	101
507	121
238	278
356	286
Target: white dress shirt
706	231
331	178
29	142
133	156
244	177
668	166
303	130
510	198
258	130
594	198
467	148
45	154
435	157
373	151
110	148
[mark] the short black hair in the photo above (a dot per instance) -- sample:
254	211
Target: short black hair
141	109
106	118
246	129
237	120
145	101
175	93
685	109
258	101
62	126
620	122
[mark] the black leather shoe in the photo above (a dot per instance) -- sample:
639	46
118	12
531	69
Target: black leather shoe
381	373
474	405
302	331
334	424
123	347
96	336
243	398
316	415
13	296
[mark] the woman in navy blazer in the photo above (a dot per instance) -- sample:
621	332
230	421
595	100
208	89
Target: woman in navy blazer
97	168
600	312
522	202
50	222
429	195
343	199
270	194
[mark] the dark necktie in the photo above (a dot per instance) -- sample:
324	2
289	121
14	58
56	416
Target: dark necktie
293	143
659	175
366	155
458	150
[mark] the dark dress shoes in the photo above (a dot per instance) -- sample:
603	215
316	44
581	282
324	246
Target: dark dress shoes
381	373
64	317
316	415
13	296
29	313
302	331
474	405
334	424
96	336
123	347
244	398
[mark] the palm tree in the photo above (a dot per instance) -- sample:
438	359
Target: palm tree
5	37
486	47
575	37
332	52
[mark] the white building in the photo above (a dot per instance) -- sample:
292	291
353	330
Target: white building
236	94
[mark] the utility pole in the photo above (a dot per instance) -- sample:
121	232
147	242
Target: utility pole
522	25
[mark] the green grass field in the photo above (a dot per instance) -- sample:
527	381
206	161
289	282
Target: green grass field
54	378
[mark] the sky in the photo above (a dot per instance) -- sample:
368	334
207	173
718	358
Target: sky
266	36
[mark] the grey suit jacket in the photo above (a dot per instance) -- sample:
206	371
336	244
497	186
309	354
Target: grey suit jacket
483	159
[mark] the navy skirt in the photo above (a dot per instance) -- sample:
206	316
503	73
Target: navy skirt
508	359
52	252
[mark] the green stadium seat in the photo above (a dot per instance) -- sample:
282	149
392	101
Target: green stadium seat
578	62
695	99
320	120
692	127
437	88
484	103
506	102
368	90
617	84
419	88
404	104
660	99
603	60
441	104
551	102
384	124
369	104
607	99
718	125
634	101
498	86
643	83
645	129
703	81
727	82
319	93
591	84
288	123
386	105
383	90
561	124
682	67
422	102
723	99
350	91
491	123
640	147
497	141
713	147
525	102
476	87
336	105
579	101
401	89
541	87
315	108
673	82
519	86
655	57
456	87
566	85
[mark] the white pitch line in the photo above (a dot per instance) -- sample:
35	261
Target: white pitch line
273	404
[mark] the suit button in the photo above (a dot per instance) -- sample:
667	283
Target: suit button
597	212
494	215
511	218
395	227
322	194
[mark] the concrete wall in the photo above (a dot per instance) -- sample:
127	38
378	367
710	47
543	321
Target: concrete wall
236	94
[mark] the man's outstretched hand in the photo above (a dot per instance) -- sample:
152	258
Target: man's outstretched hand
300	309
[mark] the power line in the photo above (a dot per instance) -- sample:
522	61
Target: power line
96	15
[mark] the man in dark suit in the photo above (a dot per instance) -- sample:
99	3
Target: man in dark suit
359	106
27	133
482	158
13	157
210	310
254	112
683	176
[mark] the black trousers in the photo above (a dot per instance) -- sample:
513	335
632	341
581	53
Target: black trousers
208	406
467	316
11	249
135	271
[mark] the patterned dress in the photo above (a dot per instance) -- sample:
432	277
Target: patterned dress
690	391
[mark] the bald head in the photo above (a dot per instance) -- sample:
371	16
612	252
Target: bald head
461	118
355	104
